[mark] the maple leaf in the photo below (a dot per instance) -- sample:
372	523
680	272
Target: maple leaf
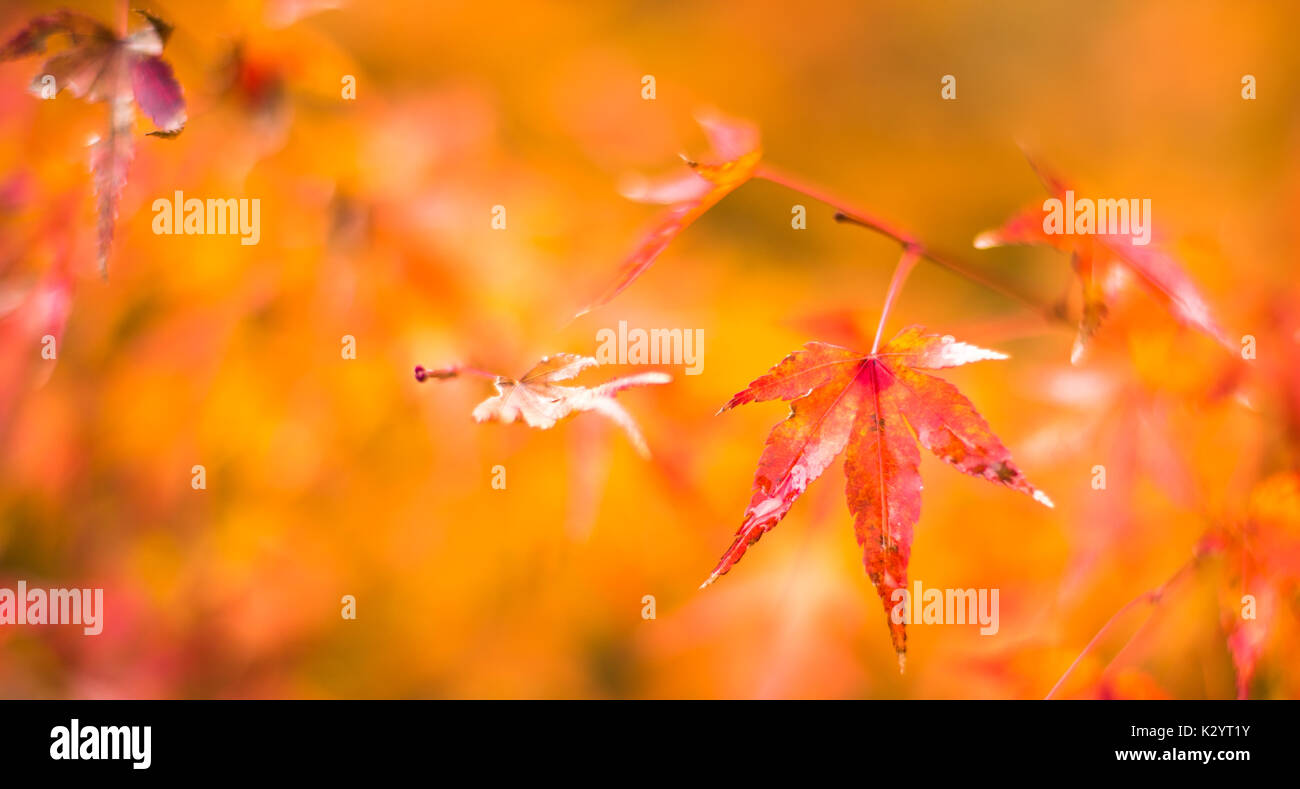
540	401
124	72
735	155
1094	257
876	407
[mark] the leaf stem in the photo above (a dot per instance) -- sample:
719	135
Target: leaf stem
423	373
906	263
845	212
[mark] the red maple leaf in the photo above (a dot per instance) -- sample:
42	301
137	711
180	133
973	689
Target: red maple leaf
1094	258
877	406
122	72
540	401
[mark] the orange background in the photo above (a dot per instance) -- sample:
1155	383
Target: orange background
328	476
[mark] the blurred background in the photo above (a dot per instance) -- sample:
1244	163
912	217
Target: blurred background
328	476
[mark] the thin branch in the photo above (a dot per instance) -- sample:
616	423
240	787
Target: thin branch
844	212
423	373
1151	597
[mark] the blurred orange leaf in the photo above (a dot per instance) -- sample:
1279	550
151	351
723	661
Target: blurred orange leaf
98	66
1093	257
735	155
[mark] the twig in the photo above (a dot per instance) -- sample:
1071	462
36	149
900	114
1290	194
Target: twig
1150	597
423	373
844	212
